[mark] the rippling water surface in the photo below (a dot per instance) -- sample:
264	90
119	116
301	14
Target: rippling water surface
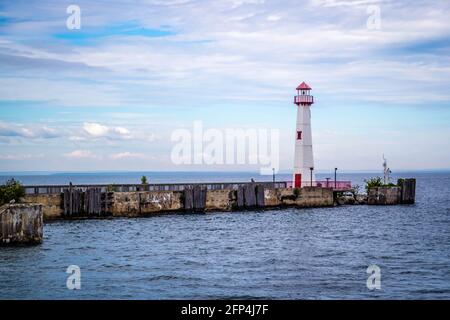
280	254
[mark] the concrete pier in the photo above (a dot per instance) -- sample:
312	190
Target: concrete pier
94	201
145	203
407	191
21	224
383	196
403	193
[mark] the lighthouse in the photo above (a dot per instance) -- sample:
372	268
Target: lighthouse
303	157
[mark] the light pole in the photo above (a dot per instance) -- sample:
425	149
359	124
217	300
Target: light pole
273	176
311	169
335	178
328	182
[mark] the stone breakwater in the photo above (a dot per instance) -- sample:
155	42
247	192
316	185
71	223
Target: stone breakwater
21	223
93	201
404	192
146	203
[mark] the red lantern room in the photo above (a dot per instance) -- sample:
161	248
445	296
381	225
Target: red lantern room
303	97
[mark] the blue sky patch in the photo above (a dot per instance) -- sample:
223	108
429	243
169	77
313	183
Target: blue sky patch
129	29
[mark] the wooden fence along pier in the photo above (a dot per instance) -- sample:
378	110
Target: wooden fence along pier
88	202
96	200
250	196
195	199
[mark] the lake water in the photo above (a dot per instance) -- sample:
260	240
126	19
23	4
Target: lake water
318	253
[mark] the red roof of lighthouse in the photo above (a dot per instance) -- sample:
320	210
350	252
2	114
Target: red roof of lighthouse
303	86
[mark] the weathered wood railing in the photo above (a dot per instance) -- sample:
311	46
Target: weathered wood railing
55	189
77	201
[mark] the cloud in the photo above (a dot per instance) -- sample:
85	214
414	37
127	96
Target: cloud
97	130
273	17
237	3
323	41
77	138
223	59
31	132
129	155
122	131
86	154
81	154
18	157
340	3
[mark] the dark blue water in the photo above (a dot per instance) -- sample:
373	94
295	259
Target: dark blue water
279	254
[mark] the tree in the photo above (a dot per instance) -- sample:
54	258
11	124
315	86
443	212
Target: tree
144	180
11	190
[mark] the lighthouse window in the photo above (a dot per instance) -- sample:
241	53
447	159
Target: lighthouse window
299	135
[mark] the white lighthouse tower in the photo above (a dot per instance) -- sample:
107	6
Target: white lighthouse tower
303	158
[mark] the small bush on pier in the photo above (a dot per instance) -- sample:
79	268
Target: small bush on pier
111	188
144	180
294	196
375	183
11	190
296	192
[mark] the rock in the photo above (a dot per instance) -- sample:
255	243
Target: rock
346	200
361	199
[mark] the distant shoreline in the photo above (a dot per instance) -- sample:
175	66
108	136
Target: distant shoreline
283	172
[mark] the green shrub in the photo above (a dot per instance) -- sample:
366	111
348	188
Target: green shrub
11	190
390	185
144	180
377	182
373	183
296	192
294	196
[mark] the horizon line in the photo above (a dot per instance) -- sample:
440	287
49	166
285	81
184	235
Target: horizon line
48	172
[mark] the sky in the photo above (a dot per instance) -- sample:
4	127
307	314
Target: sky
109	96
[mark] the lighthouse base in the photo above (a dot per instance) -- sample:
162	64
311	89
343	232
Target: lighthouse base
303	179
297	180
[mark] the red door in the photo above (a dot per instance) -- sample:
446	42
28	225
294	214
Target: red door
298	180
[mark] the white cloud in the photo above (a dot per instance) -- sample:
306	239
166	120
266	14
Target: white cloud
129	155
340	3
122	131
18	157
31	131
130	70
237	3
95	129
80	154
232	54
77	138
273	18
